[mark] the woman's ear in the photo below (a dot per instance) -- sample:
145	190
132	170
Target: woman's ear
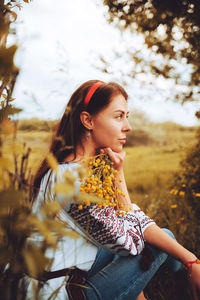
86	120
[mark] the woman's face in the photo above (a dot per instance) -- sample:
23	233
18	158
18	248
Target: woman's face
111	125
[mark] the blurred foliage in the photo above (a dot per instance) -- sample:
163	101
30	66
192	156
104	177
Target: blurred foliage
188	180
170	31
8	70
24	236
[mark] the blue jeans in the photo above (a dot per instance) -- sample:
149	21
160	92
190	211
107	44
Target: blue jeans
121	277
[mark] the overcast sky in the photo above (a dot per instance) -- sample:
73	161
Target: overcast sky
59	46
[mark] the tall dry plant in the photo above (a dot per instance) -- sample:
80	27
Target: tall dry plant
20	253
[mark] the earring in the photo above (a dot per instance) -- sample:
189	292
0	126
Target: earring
88	134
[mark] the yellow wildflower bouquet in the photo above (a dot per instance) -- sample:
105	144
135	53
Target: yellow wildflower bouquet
101	182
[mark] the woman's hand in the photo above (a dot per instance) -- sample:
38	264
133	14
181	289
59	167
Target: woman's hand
116	157
118	161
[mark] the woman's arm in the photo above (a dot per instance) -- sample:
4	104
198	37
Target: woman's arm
154	235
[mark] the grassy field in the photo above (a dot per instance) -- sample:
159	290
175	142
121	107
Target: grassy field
149	165
154	153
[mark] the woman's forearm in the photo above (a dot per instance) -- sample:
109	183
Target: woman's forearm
154	235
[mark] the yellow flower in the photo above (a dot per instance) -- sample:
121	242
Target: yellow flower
100	181
174	206
98	161
80	207
181	193
174	192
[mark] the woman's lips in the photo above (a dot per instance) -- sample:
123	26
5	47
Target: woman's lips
123	141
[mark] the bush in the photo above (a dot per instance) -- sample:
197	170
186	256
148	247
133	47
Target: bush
36	124
187	193
139	137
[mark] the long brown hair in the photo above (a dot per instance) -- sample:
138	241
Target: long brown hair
70	128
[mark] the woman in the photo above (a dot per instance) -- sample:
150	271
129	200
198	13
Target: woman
111	246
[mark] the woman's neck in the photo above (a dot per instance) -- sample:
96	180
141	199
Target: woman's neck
87	149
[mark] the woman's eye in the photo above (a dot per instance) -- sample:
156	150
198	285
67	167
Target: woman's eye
119	117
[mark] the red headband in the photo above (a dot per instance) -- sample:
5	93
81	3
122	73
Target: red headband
90	93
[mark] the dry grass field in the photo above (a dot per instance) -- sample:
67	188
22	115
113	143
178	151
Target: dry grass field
154	152
149	162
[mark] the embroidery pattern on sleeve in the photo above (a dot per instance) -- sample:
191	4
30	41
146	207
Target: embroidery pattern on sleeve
121	235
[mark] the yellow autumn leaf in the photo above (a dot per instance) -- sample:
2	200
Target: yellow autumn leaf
44	230
4	96
69	178
63	188
8	126
12	99
36	261
51	208
72	233
61	228
52	162
30	263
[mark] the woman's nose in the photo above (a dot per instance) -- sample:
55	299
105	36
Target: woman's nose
127	126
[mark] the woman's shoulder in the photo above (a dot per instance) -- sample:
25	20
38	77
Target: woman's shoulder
52	177
67	166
